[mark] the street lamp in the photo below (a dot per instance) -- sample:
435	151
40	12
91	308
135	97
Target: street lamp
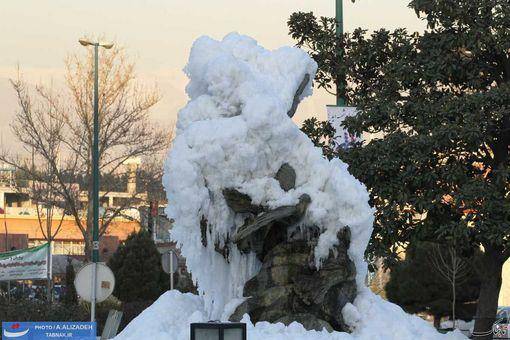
95	172
85	42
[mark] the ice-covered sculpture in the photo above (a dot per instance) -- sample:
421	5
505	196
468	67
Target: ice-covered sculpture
267	225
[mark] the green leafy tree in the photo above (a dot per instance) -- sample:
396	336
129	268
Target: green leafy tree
321	133
439	104
416	285
137	268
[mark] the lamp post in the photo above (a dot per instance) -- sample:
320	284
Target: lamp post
337	113
95	172
341	81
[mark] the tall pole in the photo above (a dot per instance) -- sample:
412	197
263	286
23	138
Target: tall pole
7	249
48	258
95	160
95	174
95	189
171	270
341	80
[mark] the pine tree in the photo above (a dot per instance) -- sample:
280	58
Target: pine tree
137	268
70	295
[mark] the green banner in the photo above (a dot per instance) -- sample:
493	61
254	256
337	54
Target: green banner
24	264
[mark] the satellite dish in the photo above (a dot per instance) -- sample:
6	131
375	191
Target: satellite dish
105	282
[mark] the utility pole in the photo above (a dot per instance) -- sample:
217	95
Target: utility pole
95	189
95	174
341	82
7	249
49	259
337	113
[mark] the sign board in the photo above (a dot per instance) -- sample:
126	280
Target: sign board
105	282
25	264
336	115
49	330
169	262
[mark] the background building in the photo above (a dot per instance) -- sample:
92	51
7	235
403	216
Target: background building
23	223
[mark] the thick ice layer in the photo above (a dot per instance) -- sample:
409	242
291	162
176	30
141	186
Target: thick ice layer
235	132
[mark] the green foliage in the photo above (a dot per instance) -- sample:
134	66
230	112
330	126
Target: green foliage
321	133
317	35
131	310
137	268
438	105
102	310
38	310
439	102
416	286
70	296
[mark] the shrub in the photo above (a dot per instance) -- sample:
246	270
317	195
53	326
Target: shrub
137	268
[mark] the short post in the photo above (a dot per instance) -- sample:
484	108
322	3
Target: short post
170	264
93	292
171	270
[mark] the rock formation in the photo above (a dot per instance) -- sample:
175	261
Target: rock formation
288	286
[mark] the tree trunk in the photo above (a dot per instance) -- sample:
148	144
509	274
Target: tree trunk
454	301
490	269
88	248
49	279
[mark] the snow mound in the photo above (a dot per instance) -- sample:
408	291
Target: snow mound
169	317
235	133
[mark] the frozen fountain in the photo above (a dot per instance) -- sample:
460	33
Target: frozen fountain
273	234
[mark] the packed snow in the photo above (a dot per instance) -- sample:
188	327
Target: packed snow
169	318
235	132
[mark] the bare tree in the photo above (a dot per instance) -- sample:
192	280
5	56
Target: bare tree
150	179
452	267
58	126
47	201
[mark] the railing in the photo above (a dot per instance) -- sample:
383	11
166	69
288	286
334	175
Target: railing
29	211
22	211
10	183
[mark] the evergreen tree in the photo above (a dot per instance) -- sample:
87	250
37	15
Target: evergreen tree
137	268
70	296
439	103
416	286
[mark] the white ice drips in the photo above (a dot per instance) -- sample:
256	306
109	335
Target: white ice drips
235	132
